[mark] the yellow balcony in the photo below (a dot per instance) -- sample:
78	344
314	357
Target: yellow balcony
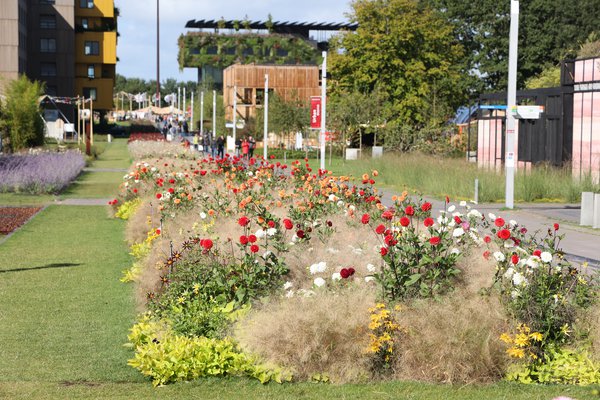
96	48
102	8
103	89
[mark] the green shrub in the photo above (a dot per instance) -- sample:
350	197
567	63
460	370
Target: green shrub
168	358
559	366
22	113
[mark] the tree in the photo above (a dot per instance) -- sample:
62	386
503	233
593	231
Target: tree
22	113
549	31
288	116
407	50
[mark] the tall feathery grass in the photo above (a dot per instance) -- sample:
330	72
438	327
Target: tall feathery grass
439	176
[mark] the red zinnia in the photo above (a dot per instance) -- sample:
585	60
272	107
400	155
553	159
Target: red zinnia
244	240
157	231
254	248
390	241
351	271
380	229
243	221
504	234
158	195
426	206
171	190
300	234
404	221
383	251
514	259
486	254
434	241
499	222
447	200
457	219
271	224
171	181
487	239
344	273
410	211
252	238
537	252
428	222
288	224
365	219
556	226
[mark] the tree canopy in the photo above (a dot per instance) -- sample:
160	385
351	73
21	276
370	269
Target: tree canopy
406	49
549	31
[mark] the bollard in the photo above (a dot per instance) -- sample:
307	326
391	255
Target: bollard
109	138
476	197
596	224
587	209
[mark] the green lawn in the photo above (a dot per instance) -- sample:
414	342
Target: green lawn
94	185
115	155
64	313
18	199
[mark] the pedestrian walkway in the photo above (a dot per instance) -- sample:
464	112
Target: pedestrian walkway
580	243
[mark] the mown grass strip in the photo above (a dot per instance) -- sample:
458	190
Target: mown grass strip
64	314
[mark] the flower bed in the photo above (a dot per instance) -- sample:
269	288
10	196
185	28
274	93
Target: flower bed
42	172
279	265
146	136
13	217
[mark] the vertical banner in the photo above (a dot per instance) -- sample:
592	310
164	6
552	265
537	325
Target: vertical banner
315	112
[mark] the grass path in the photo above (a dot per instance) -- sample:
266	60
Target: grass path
64	314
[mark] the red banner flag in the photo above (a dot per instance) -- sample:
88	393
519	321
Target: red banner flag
315	112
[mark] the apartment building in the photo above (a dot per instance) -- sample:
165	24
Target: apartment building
68	44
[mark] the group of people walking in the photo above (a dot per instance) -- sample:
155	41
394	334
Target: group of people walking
215	146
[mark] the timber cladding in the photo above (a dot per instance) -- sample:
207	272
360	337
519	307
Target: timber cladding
289	82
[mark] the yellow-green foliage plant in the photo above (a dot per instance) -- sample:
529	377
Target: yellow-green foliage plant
168	358
126	209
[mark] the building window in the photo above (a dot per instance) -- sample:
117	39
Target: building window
51	90
92	48
89	93
48	69
86	3
47	1
48	45
91	71
84	23
48	21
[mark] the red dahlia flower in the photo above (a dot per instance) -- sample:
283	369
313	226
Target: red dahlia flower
344	273
426	206
504	234
365	219
244	221
288	224
434	241
499	222
514	259
252	238
254	248
428	222
244	240
380	229
404	221
410	211
383	251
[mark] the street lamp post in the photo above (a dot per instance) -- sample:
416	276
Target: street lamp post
510	157
158	53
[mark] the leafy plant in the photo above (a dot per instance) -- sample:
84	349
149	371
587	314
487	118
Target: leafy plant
22	112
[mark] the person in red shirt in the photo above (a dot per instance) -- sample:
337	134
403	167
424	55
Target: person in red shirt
245	148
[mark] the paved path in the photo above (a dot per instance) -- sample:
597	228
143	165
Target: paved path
91	169
580	243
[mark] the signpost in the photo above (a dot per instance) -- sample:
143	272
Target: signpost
315	112
323	108
266	122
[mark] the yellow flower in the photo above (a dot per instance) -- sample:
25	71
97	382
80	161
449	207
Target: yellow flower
536	336
181	299
505	337
516	352
521	340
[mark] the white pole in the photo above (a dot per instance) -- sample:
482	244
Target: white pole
192	116
202	112
179	98
234	112
509	158
266	122
214	114
184	113
323	107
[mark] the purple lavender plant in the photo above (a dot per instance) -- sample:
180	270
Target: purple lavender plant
45	172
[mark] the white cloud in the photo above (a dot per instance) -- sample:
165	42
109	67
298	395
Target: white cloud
137	27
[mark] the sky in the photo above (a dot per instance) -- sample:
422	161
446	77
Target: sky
136	47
